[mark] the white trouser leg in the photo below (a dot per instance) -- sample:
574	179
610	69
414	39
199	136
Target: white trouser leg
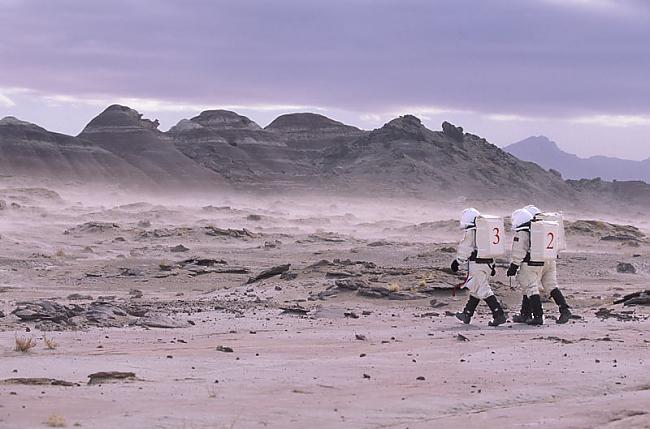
549	276
530	279
478	283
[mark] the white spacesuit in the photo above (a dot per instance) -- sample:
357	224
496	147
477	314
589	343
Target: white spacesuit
479	272
533	276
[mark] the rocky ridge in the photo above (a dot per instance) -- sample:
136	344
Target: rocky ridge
301	151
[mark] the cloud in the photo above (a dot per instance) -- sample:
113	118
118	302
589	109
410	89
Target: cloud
531	57
613	120
6	101
153	105
510	118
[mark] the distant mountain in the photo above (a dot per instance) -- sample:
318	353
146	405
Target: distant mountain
238	149
300	152
401	158
123	132
546	153
27	150
404	155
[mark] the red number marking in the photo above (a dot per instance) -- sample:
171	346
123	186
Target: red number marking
497	237
551	237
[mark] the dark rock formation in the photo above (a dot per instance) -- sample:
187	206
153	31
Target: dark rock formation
311	129
29	150
452	131
122	131
224	120
405	157
287	151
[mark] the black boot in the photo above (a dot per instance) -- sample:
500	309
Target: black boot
565	312
498	316
524	313
468	312
537	310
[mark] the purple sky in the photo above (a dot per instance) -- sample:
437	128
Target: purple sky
575	70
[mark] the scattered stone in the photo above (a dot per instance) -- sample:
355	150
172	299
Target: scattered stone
95	274
461	337
271	272
295	310
636	298
45	310
623	316
366	376
340	274
625	267
165	267
351	284
420	378
360	337
108	376
435	304
379	243
370	293
135	293
289	275
78	297
430	314
164	233
160	321
179	248
319	264
450	313
35	381
328	293
254	217
271	244
203	262
106	314
329	237
235	233
555	339
351	315
225	349
130	272
92	228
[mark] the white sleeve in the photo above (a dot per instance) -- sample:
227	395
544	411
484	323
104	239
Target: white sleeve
520	246
466	246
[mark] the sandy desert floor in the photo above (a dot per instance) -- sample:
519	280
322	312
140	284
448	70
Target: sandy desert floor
357	332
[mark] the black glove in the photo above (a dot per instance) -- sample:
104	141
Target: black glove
512	270
454	266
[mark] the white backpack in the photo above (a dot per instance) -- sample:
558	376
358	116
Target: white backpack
559	218
544	240
490	239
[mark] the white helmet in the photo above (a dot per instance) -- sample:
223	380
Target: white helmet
468	217
520	217
533	210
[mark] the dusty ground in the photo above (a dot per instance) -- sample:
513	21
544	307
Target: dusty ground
337	358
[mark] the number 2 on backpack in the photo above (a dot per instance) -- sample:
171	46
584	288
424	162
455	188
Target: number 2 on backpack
551	237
